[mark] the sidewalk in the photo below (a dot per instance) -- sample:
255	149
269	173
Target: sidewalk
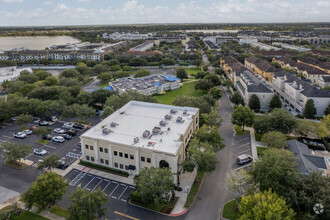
253	144
186	181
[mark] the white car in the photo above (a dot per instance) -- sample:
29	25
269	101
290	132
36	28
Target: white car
59	130
20	135
58	139
27	131
67	125
40	152
53	118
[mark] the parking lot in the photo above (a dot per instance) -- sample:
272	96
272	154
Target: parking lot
242	145
113	189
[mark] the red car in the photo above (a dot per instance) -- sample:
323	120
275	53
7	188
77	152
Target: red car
31	128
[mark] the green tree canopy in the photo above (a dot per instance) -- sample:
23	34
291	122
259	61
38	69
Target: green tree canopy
275	102
197	102
42	131
237	99
243	116
211	136
141	73
212	119
104	77
310	109
79	111
51	81
108	110
87	205
154	185
49	162
265	205
14	151
274	139
215	92
45	191
181	73
254	103
69	73
23	119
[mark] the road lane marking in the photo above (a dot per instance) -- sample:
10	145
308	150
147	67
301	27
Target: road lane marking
124	215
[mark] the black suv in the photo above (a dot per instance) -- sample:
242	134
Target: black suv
62	165
71	132
78	126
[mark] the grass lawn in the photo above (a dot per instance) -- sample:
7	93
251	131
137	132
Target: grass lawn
187	89
260	150
164	208
29	216
194	189
229	211
193	71
239	131
42	141
60	211
258	136
103	84
16	165
22	128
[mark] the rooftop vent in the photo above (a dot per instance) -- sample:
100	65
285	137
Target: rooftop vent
185	112
156	130
146	133
168	117
151	144
162	123
136	140
113	124
173	111
179	120
106	131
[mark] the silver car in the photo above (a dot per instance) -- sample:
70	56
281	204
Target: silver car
59	130
27	131
40	152
20	135
58	139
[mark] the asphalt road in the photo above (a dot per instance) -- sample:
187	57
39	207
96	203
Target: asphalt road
94	84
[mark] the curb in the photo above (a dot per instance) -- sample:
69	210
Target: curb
180	213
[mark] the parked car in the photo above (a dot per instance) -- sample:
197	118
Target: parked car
71	132
67	125
47	137
59	130
78	126
62	165
98	112
31	128
244	158
43	123
20	135
40	152
53	118
58	139
27	131
67	136
13	118
79	145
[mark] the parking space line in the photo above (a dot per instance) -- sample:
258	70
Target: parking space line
114	182
89	175
89	182
49	146
97	184
122	192
244	151
7	136
132	187
114	190
123	200
241	140
243	167
243	145
114	197
106	186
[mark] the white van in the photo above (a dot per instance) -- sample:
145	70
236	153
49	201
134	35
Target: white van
244	158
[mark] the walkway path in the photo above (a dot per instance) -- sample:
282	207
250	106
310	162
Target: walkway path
253	144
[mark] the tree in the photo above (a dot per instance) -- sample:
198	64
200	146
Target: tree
327	110
274	139
237	99
83	97
154	185
215	92
275	102
104	77
79	111
238	183
108	110
100	96
27	88
181	73
197	102
212	119
323	130
42	131
87	205
141	73
265	205
117	102
211	136
49	162
13	151
69	73
99	68
200	156
254	103
210	80
310	109
45	191
276	169
51	81
23	119
243	116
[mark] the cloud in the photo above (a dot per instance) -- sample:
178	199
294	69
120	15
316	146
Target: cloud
83	0
12	1
47	3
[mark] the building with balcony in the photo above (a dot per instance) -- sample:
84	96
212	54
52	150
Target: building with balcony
260	67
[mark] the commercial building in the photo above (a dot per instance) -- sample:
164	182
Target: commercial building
247	40
126	36
140	135
147	85
223	39
295	92
291	47
11	73
249	84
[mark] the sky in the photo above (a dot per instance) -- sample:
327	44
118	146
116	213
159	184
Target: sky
91	12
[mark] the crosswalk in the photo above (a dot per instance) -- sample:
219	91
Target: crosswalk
73	155
77	178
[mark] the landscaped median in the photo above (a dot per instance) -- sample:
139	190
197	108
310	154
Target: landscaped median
194	189
103	168
162	208
60	211
229	210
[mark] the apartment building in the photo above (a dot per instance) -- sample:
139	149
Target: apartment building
232	67
191	45
223	39
324	66
295	91
260	67
126	36
147	85
141	134
249	84
211	45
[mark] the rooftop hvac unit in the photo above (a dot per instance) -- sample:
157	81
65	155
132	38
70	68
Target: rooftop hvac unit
106	131
162	123
113	124
168	117
136	140
174	111
156	130
185	112
146	133
179	120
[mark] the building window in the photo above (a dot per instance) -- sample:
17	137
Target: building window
101	160
131	156
106	162
120	154
87	157
121	166
92	159
126	167
115	153
148	160
91	147
101	149
116	165
126	155
86	146
106	150
143	159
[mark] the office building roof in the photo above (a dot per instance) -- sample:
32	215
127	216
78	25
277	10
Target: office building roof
144	125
